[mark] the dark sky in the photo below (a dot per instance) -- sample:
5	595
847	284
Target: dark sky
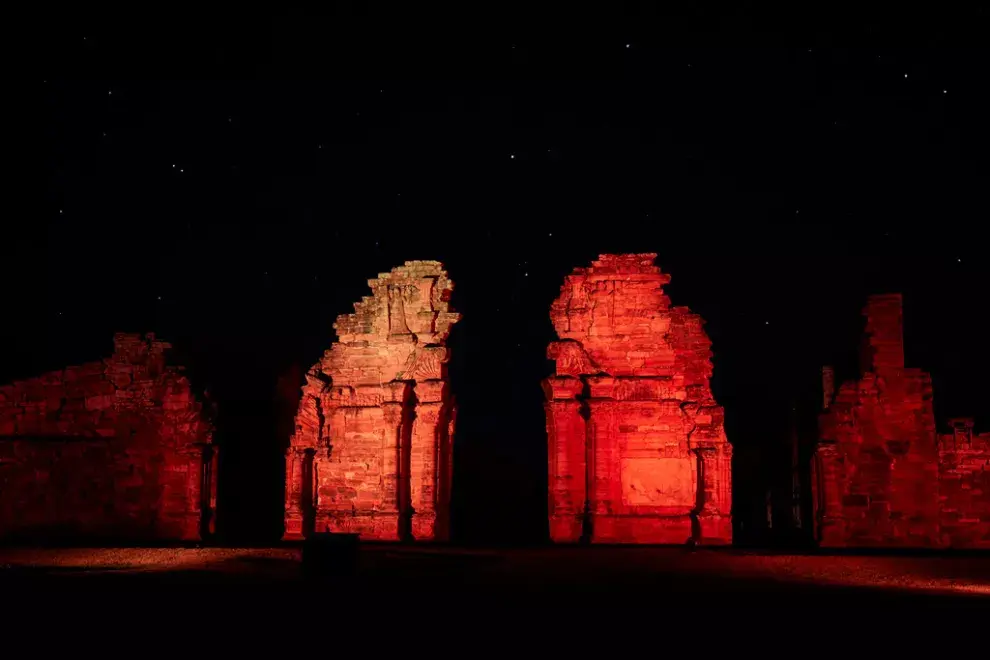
232	187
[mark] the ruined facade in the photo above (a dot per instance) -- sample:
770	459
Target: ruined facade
115	449
637	449
964	486
881	475
372	448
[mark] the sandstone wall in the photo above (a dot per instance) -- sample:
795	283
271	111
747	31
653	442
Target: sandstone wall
118	448
964	487
372	449
637	449
882	477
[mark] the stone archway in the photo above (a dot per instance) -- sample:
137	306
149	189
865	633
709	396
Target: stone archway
372	448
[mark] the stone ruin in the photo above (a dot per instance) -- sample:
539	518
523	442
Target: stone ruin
637	449
372	448
881	475
115	449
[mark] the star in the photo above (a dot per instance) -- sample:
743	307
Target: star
110	91
767	323
550	234
628	45
512	156
60	211
905	75
159	297
945	91
181	170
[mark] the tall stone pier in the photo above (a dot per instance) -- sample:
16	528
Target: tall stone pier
372	448
637	449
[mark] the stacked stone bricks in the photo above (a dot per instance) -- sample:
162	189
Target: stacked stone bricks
637	449
964	486
372	449
881	476
118	448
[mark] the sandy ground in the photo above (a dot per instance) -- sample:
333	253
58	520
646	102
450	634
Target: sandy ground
944	574
553	602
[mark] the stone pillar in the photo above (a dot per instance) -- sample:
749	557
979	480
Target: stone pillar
962	432
828	386
567	459
603	454
828	505
297	463
714	521
208	491
423	458
445	472
319	509
884	333
190	516
392	459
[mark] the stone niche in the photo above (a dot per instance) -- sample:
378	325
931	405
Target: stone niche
372	448
637	448
882	477
117	449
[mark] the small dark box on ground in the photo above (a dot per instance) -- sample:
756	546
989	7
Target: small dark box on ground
330	555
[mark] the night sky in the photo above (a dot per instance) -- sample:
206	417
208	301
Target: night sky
232	188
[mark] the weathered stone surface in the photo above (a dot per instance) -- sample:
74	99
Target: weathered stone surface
880	475
372	448
637	449
118	448
964	486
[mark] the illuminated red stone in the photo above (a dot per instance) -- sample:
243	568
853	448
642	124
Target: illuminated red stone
372	448
637	449
118	448
881	476
964	486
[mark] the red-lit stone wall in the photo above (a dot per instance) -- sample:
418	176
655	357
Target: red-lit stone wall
118	448
372	449
881	476
964	486
637	449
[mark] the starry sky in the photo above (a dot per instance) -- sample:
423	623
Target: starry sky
233	188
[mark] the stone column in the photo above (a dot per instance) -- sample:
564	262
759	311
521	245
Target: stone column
191	515
296	459
828	507
208	491
391	459
714	520
601	456
423	455
445	471
567	460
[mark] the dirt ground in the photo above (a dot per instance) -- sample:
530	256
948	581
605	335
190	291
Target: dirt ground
585	597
